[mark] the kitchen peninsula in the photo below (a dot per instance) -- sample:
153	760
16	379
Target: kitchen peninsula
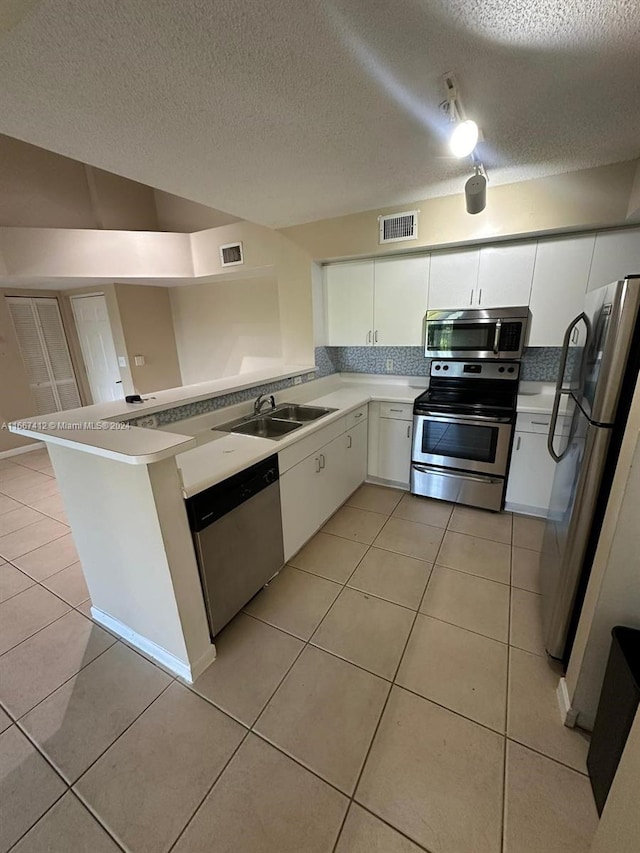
124	490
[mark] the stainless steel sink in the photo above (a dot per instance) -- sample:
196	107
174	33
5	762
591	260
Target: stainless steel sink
294	412
266	428
276	423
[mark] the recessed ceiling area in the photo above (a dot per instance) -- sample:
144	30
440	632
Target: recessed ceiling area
289	112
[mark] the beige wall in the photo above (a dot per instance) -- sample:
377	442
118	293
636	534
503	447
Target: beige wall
292	266
180	214
147	328
619	827
226	327
41	189
571	202
121	204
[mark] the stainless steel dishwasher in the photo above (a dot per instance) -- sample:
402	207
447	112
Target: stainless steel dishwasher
237	532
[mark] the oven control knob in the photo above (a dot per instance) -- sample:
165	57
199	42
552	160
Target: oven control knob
511	370
270	476
501	370
445	367
437	367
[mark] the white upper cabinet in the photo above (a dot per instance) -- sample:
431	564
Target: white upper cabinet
453	279
616	254
559	285
400	300
505	275
349	297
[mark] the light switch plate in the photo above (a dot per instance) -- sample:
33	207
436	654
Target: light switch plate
122	361
297	380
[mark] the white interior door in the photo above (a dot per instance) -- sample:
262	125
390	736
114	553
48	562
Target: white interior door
43	345
98	348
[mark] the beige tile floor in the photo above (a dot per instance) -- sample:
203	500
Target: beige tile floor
387	692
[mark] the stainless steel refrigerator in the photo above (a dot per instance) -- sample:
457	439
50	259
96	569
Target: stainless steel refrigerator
598	372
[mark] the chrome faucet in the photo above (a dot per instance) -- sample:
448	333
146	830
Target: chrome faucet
262	399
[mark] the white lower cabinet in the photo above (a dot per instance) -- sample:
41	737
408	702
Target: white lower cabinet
314	488
355	457
298	497
394	450
530	475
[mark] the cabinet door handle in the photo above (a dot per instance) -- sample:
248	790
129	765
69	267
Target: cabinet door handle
396	410
369	336
471	298
323	461
359	415
318	465
518	442
480	297
540	423
375	337
408	430
350	442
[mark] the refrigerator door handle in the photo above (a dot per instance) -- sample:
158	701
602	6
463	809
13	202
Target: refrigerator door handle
560	391
552	426
565	348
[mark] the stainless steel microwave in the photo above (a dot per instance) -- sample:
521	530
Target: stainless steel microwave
482	333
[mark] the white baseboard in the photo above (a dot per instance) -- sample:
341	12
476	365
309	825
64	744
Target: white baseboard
523	509
188	672
5	454
390	484
568	716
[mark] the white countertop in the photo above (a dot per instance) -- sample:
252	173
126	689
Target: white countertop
227	453
96	429
92	429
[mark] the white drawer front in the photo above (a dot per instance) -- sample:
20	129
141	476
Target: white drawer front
528	422
399	411
357	416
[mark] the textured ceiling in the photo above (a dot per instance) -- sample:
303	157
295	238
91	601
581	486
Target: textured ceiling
285	111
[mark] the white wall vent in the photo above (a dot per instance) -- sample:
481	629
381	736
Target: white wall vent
231	254
398	226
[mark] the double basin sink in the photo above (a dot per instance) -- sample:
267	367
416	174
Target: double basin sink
277	423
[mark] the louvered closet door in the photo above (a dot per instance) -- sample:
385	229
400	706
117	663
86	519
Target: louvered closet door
43	344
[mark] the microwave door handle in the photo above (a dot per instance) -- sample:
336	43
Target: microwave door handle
496	338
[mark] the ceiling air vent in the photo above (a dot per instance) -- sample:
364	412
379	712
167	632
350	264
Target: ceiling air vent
399	226
231	254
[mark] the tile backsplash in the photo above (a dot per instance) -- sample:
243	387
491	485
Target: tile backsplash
539	364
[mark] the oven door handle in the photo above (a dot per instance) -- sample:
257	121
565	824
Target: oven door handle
496	338
443	418
425	469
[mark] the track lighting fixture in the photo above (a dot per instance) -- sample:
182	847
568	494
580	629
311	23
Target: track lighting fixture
462	143
465	133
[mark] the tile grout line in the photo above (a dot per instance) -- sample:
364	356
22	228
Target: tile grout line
506	707
384	708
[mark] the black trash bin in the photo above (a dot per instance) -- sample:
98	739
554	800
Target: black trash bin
616	710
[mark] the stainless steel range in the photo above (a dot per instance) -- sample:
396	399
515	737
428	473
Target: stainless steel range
462	432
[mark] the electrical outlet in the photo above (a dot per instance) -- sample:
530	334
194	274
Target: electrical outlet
389	365
297	380
310	377
149	422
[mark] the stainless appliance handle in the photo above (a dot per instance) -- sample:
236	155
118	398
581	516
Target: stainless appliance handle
560	391
425	469
442	416
496	338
